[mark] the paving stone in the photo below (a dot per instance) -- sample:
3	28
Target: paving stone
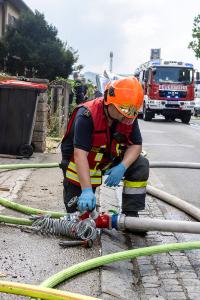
176	253
170	281
144	260
184	268
176	296
151	291
163	258
163	267
189	275
149	297
194	296
146	269
157	298
168	275
192	289
191	282
173	288
149	279
151	285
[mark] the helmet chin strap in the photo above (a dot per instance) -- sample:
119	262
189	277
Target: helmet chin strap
108	114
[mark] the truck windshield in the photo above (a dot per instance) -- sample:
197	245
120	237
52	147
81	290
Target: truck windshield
173	75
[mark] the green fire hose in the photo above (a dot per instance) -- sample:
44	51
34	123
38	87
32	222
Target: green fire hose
28	166
29	210
15	221
35	291
114	257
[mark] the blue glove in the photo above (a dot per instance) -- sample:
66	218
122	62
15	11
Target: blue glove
87	200
115	175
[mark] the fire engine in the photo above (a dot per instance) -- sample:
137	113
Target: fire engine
168	89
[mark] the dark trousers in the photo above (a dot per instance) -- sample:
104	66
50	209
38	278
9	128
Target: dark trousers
134	190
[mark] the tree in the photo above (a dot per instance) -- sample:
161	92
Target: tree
2	55
32	47
195	44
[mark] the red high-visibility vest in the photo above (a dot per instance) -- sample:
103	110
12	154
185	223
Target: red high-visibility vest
103	149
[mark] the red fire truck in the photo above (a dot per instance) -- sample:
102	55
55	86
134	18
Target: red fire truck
168	89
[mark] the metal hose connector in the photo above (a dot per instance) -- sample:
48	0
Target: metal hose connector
68	226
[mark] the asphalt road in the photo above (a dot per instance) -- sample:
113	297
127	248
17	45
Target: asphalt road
32	258
174	141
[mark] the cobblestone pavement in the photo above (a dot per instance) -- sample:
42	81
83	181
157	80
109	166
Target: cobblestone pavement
167	276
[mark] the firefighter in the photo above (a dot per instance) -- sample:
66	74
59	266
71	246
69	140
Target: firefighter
103	138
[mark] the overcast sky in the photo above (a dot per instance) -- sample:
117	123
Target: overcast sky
129	28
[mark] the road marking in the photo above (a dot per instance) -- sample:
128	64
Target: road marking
195	125
170	145
154	180
152	131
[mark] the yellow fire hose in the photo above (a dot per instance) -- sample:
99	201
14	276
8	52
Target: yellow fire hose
39	292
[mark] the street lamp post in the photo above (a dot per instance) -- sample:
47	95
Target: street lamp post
111	61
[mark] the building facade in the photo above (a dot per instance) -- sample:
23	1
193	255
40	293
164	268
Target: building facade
10	10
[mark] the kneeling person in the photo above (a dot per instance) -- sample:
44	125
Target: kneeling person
103	137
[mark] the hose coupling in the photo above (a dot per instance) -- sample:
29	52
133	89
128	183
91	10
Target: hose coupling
121	222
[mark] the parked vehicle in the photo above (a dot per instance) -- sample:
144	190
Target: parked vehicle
196	111
197	107
168	89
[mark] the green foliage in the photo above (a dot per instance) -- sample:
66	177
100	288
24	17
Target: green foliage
91	90
195	43
53	125
72	83
33	48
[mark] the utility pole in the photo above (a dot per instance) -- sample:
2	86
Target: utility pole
111	61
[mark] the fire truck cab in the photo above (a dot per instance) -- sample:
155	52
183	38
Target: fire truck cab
168	89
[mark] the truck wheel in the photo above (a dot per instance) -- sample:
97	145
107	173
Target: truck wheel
147	115
26	150
185	117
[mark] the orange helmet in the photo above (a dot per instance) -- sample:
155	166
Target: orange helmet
126	95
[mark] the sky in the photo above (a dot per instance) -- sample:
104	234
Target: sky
128	28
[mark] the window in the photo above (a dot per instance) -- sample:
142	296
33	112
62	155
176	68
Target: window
11	19
173	75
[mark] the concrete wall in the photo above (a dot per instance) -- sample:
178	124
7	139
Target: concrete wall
40	128
40	122
60	105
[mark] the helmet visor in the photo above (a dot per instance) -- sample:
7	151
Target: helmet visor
128	111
